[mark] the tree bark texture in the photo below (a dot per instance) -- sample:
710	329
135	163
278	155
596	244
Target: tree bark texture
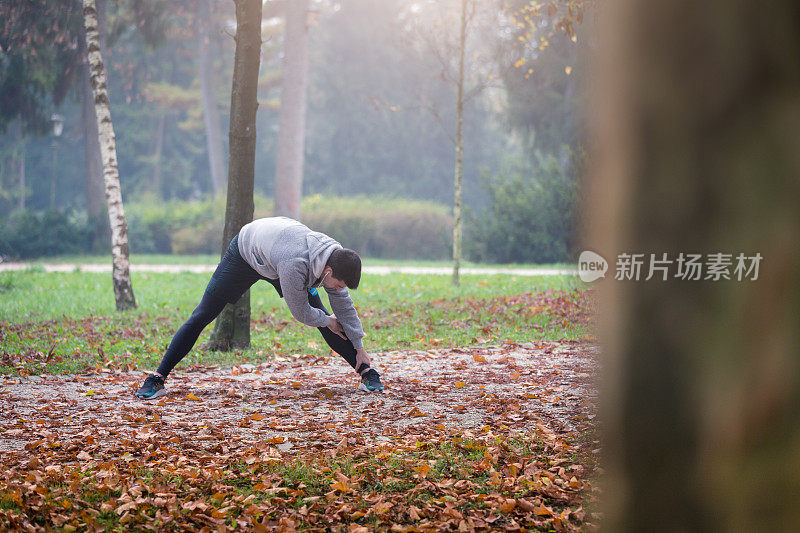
210	112
96	208
232	327
292	118
19	159
123	291
696	130
459	171
21	178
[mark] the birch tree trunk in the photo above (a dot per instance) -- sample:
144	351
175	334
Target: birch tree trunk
696	132
95	187
232	328
459	172
292	119
123	291
210	113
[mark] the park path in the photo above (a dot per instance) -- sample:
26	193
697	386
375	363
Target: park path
372	269
307	402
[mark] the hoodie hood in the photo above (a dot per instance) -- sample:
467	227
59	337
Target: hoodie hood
320	248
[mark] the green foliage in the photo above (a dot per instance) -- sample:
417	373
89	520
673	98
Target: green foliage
153	225
531	218
27	234
544	87
39	59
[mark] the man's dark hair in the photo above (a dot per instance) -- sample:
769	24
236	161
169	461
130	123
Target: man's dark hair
346	266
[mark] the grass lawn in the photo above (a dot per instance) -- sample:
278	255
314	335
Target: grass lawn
66	322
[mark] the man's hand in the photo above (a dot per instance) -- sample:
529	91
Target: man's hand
362	358
335	326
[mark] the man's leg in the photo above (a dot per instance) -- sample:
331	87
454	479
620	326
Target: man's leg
209	308
232	277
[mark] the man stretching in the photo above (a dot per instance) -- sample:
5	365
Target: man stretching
296	261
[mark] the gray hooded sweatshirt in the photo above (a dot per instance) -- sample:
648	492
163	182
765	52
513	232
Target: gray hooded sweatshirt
284	249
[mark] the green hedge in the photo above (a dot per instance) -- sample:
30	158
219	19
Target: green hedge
377	227
374	226
29	234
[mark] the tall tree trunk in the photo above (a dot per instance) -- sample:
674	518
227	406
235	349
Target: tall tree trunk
53	172
96	209
698	117
232	328
292	119
95	187
19	157
22	192
157	150
123	291
459	172
210	113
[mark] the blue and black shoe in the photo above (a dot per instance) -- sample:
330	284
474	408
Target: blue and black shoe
371	381
153	388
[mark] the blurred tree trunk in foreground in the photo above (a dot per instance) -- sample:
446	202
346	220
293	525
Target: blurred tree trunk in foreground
697	128
232	328
292	119
120	273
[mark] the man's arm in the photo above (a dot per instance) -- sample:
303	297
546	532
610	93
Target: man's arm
362	358
292	280
363	361
345	312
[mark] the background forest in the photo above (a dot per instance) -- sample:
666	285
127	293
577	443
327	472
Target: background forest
379	154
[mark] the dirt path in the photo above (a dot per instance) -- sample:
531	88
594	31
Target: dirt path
301	403
376	269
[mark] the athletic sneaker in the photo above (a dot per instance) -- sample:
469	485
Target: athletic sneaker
153	388
371	381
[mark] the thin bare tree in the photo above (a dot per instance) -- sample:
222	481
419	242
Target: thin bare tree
123	290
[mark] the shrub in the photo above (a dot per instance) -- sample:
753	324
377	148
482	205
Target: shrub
374	226
383	227
29	234
154	223
531	217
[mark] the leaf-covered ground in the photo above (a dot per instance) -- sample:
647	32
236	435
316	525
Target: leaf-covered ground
491	437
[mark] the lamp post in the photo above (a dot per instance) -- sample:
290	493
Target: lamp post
58	129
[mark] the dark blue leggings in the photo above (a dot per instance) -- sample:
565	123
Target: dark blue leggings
229	282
